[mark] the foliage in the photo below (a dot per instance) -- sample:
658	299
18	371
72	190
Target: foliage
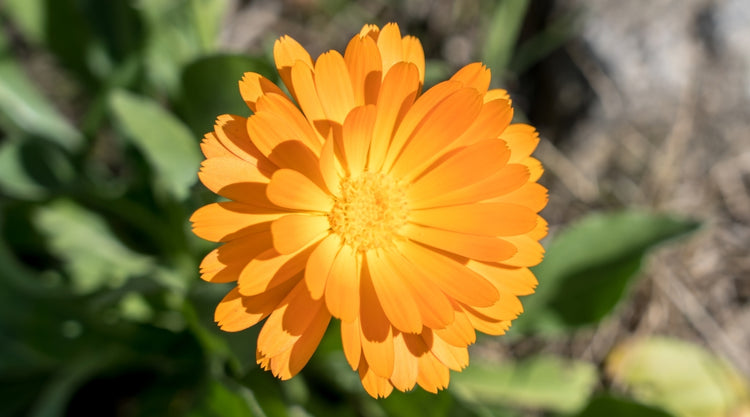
101	308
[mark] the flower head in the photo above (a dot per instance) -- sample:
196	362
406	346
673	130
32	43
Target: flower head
411	218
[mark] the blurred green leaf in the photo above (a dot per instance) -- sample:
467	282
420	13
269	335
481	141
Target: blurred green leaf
680	377
180	31
502	34
589	265
553	36
540	383
220	401
28	16
604	405
15	180
162	138
26	108
94	258
210	88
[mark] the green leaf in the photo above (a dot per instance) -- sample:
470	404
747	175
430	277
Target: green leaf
15	180
210	88
25	107
680	377
180	31
220	401
605	405
163	139
588	267
94	258
541	383
503	33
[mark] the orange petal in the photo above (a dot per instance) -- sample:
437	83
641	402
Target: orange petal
293	190
225	263
530	194
319	265
397	94
294	231
454	357
535	168
287	323
454	279
342	288
487	324
433	375
270	269
483	248
330	169
492	120
437	130
375	329
235	312
212	148
474	75
433	305
365	68
290	123
413	52
488	219
307	344
350	340
232	133
496	94
461	169
305	91
357	136
390	46
236	179
405	365
393	293
286	53
513	280
459	333
522	140
507	308
376	386
220	222
254	85
334	86
530	251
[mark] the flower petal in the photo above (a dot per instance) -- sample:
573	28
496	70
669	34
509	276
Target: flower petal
291	123
513	280
397	94
413	52
270	269
439	128
459	333
236	179
342	289
232	133
225	263
212	148
390	46
254	85
463	168
224	221
286	53
365	68
294	231
350	340
433	375
290	189
406	365
305	92
375	385
488	219
482	248
522	139
235	312
334	86
492	120
530	194
454	279
375	330
475	75
393	293
319	265
357	136
454	357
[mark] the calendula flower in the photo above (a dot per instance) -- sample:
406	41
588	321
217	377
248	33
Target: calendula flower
410	218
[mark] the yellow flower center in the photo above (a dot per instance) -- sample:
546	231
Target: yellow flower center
370	212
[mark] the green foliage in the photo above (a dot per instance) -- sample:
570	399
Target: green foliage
589	266
101	308
539	383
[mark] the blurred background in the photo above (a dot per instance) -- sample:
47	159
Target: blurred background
643	109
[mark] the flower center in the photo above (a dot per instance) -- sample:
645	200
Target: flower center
370	212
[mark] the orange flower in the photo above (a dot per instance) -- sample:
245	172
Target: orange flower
410	218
